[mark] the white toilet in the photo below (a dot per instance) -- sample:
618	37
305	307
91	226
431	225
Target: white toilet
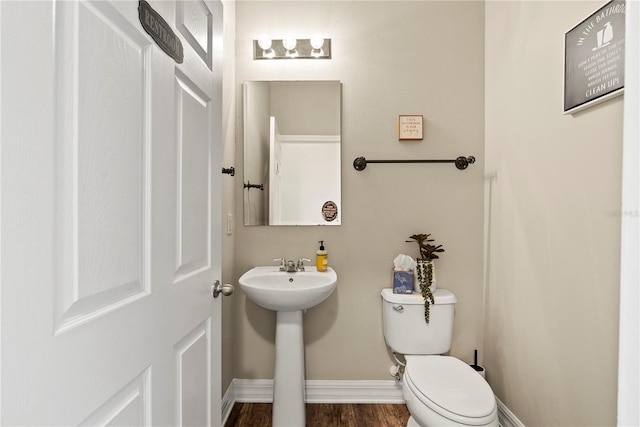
439	390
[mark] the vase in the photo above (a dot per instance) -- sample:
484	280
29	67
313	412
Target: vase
423	268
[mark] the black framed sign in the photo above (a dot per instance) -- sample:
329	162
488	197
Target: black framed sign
594	58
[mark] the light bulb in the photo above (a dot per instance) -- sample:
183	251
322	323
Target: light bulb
317	41
289	43
264	43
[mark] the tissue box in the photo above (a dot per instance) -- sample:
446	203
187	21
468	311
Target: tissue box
402	282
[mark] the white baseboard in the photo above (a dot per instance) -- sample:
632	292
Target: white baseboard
380	391
228	400
253	391
506	417
327	391
324	391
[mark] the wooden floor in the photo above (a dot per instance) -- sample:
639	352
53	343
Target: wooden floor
324	415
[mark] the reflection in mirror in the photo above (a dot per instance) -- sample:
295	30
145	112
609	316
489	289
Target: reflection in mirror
292	153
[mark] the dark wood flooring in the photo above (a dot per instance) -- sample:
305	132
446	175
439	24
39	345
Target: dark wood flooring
324	415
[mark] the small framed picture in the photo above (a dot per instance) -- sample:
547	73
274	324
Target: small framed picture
410	127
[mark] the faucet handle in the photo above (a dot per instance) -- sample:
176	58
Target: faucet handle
282	262
300	266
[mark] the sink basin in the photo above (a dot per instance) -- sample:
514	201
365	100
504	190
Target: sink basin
281	291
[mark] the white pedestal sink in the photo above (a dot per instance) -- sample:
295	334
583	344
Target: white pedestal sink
288	294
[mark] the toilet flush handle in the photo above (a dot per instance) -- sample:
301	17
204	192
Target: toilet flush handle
398	308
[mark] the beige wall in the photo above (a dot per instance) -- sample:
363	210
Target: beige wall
553	277
552	183
392	58
228	185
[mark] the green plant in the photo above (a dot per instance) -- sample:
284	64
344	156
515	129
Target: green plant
424	269
427	250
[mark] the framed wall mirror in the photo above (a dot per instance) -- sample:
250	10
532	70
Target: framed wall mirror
292	152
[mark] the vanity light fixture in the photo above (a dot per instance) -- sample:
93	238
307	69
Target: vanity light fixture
316	47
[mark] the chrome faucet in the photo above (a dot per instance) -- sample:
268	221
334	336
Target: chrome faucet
290	266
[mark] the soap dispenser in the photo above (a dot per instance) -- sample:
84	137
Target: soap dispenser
322	261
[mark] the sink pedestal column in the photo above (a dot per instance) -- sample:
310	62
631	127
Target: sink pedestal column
288	380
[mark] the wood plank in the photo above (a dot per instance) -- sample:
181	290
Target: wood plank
324	415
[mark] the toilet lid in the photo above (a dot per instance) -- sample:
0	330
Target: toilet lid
450	387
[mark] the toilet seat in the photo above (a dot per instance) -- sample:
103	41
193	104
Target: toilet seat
450	388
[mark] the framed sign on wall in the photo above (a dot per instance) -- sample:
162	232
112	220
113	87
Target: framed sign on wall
410	127
594	58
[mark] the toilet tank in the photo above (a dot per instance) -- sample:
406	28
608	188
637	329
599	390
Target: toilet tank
405	329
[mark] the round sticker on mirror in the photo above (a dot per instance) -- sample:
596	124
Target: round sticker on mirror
329	211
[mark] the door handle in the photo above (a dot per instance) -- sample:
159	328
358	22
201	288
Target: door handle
218	289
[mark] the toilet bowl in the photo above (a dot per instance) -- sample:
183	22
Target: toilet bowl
438	390
444	391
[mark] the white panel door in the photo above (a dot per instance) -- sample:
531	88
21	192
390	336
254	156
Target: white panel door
110	215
